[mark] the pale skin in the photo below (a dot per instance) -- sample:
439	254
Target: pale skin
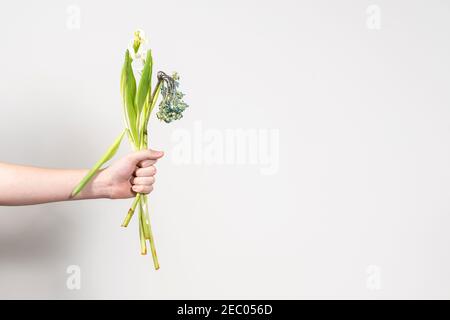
24	185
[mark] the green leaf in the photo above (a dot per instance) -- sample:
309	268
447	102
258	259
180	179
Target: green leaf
112	150
145	83
128	91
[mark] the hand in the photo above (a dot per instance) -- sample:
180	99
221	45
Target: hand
134	173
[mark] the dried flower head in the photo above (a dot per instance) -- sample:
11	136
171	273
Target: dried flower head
172	105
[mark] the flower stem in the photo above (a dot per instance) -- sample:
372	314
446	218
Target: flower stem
144	208
153	248
141	230
131	211
154	98
147	226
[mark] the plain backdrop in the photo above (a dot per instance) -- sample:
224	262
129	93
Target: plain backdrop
358	207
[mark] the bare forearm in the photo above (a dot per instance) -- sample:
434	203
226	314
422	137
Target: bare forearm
22	185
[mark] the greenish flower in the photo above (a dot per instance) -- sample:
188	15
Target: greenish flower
139	39
138	51
172	105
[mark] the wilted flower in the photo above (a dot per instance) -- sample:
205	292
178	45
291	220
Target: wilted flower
138	50
172	105
139	39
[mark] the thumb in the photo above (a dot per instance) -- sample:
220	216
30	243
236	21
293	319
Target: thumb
139	156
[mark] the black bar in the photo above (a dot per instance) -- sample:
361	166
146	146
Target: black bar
230	309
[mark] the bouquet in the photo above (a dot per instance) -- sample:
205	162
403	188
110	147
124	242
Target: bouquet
139	99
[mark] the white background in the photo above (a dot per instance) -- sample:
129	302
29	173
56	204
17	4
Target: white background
363	186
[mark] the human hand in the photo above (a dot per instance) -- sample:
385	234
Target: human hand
134	173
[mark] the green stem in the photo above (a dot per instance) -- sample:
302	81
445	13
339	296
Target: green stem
141	230
152	247
127	219
147	230
148	226
145	218
154	98
151	102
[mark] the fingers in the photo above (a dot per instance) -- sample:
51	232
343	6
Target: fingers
142	155
145	181
142	189
145	172
146	163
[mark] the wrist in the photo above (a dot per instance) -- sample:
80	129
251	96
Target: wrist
98	187
101	185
